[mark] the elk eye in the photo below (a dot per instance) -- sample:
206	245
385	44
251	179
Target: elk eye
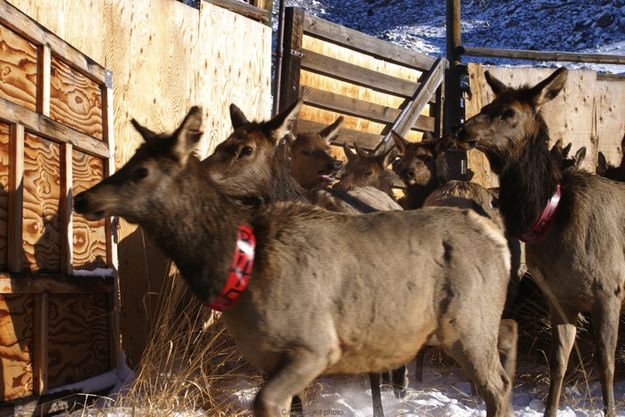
427	159
368	174
139	174
247	150
396	165
507	114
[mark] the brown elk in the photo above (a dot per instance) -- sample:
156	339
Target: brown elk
560	155
579	261
365	169
308	309
605	169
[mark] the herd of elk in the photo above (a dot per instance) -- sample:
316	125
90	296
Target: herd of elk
308	309
450	253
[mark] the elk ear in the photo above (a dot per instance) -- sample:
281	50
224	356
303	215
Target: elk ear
348	151
602	164
146	133
360	152
495	85
566	150
580	155
237	117
279	126
548	88
443	144
400	142
623	146
387	157
290	139
332	131
188	134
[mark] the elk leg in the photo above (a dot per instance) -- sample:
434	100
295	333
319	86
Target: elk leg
419	364
399	380
605	322
563	329
507	347
376	394
299	369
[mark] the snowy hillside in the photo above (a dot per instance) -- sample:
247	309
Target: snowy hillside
565	25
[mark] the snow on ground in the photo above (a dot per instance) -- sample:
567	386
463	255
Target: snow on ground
596	26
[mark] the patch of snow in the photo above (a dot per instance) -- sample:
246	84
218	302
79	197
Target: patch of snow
98	272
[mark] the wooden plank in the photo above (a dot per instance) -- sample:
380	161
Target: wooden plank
75	100
5	164
65	209
89	237
48	128
291	59
16	343
15	251
20	284
42	197
108	170
44	72
19	22
358	41
360	108
247	10
18	66
78	337
40	357
363	139
356	74
542	55
610	117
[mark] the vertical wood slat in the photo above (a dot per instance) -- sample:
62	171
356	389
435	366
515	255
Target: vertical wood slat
16	197
111	233
65	209
40	358
292	56
44	70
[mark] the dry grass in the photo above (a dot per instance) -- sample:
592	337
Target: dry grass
188	365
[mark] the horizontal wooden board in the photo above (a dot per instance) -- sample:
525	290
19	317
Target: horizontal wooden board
75	100
359	108
4	193
48	128
33	283
18	69
362	139
78	337
89	237
42	194
16	346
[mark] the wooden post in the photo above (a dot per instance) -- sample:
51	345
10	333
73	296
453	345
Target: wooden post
40	359
279	59
292	56
452	101
16	197
44	72
67	235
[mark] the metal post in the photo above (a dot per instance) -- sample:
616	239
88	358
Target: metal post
279	54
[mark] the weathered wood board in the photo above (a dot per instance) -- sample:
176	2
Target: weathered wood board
18	69
75	100
4	193
16	345
78	337
89	236
610	118
570	116
42	195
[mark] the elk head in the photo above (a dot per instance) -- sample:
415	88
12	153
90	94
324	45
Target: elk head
141	187
312	164
502	128
418	162
365	169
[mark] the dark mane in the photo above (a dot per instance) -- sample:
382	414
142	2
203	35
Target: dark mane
528	183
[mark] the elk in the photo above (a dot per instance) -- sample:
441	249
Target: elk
365	169
579	260
616	173
560	155
305	309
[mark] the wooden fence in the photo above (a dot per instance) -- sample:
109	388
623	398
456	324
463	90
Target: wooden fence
590	111
55	141
374	84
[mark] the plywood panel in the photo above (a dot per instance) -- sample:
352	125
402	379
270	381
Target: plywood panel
78	338
16	346
89	237
4	194
42	194
18	69
610	118
75	100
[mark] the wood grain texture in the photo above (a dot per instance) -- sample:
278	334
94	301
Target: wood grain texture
610	118
42	194
16	345
18	69
4	194
75	100
78	337
89	237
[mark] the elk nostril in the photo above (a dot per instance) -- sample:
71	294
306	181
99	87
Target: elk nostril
336	165
461	132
